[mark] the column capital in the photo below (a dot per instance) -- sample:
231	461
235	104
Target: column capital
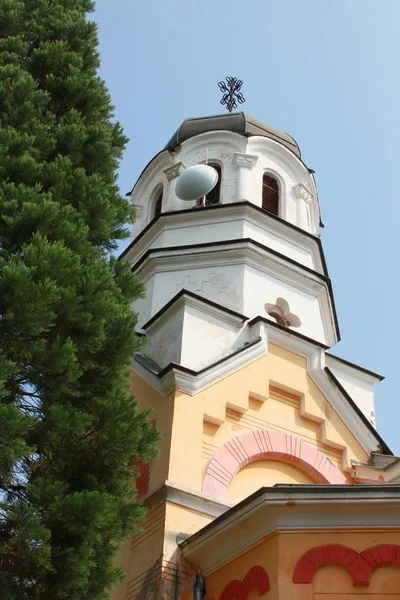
246	161
301	191
174	171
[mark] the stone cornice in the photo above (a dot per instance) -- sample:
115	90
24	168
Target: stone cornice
369	474
293	507
196	500
222	214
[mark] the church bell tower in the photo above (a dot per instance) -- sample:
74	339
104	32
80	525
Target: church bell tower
270	466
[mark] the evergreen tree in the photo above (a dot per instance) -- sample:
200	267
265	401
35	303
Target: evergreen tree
69	430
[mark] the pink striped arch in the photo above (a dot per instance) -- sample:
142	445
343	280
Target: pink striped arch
264	444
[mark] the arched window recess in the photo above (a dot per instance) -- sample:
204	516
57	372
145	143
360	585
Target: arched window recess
157	202
213	197
270	194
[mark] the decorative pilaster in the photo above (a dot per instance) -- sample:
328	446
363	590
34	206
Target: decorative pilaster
304	197
138	210
170	201
244	164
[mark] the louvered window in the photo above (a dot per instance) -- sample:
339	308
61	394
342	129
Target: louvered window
214	197
158	204
270	195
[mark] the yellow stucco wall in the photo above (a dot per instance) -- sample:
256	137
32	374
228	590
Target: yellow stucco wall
265	555
290	402
279	554
274	392
162	410
263	474
141	556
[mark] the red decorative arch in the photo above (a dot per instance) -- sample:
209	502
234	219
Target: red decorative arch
263	444
311	561
372	558
256	578
358	565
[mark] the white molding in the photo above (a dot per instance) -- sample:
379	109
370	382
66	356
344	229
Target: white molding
174	493
244	161
186	300
192	384
243	252
153	170
223	143
246	253
368	474
229	214
358	383
150	378
352	370
195	500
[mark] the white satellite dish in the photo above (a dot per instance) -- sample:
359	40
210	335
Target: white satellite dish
196	182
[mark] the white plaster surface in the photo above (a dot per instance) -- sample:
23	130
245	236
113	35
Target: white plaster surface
358	388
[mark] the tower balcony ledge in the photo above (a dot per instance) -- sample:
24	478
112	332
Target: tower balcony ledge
224	222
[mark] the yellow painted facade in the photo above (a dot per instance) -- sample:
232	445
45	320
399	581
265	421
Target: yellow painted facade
262	473
291	402
273	393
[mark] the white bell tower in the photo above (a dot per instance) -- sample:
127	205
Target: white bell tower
209	271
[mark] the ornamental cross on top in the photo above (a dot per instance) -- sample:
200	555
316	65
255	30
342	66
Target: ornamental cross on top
231	91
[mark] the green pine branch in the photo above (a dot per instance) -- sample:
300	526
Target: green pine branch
69	429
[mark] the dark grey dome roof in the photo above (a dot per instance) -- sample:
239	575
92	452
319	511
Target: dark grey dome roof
237	122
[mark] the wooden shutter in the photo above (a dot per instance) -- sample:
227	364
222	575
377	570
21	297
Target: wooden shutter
270	195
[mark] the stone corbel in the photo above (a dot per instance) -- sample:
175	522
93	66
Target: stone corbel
244	164
246	161
301	191
174	171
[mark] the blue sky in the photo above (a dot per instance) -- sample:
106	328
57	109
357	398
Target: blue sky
325	71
